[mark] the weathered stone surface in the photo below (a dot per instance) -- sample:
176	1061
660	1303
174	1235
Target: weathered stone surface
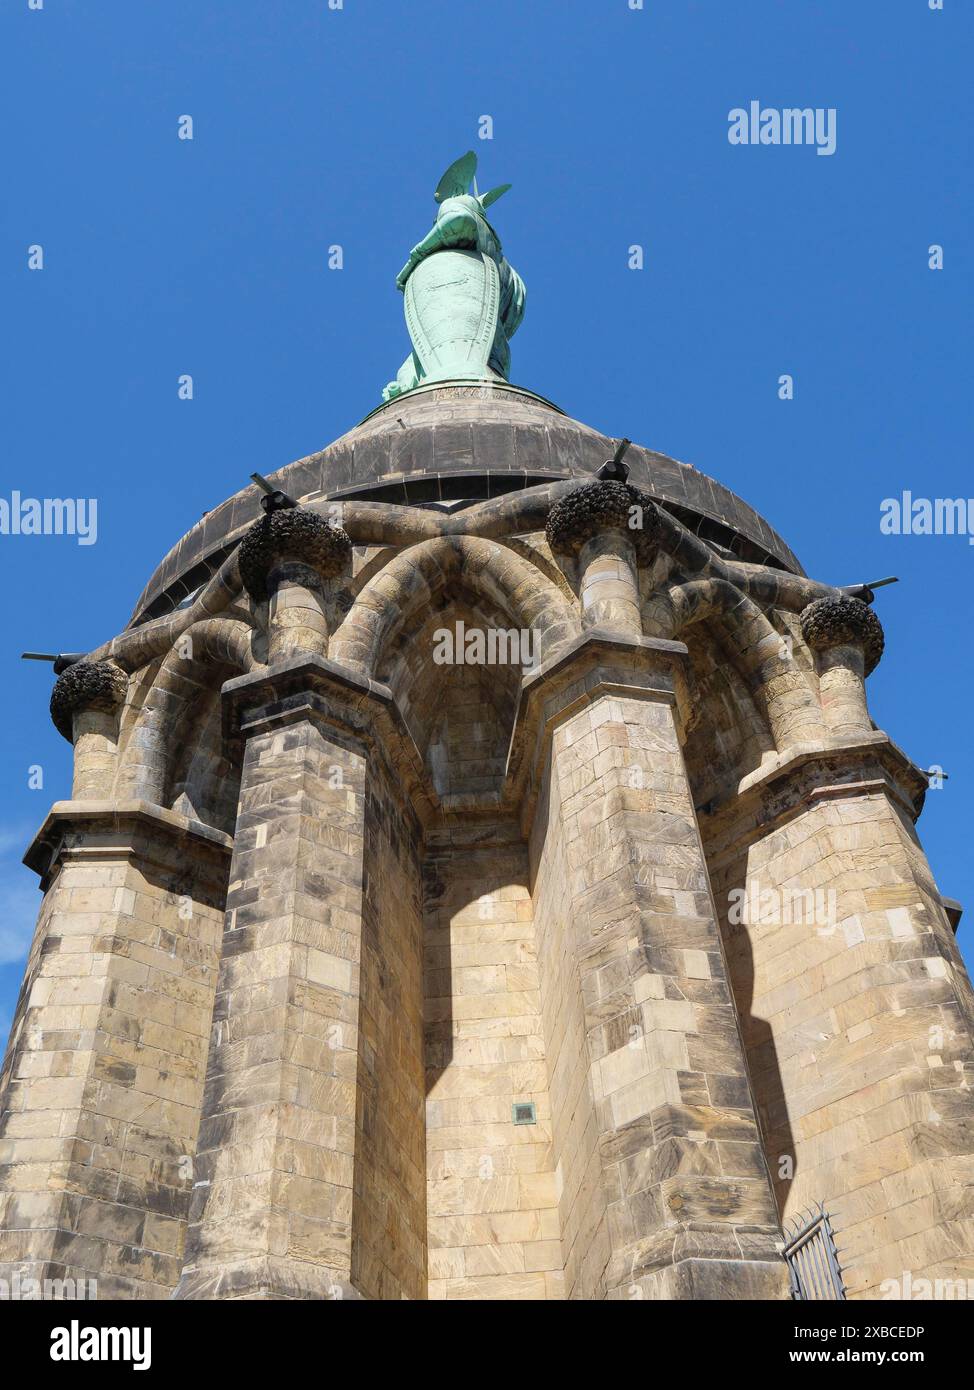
86	685
839	621
292	533
475	1014
626	928
494	1229
587	511
311	1143
103	1080
452	440
855	1009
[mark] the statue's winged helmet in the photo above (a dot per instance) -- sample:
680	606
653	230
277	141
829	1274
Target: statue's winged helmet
456	182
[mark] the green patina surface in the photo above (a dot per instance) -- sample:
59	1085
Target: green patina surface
464	300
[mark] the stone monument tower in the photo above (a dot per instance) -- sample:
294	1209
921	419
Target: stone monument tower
483	879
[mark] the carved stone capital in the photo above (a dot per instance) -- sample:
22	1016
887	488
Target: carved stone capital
85	685
291	534
843	621
603	506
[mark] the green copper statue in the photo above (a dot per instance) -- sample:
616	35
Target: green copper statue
464	301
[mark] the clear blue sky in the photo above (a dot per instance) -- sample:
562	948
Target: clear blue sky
315	127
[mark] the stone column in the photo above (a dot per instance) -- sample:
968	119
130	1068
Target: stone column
610	582
85	706
285	558
847	639
856	1009
310	1181
665	1189
611	529
102	1083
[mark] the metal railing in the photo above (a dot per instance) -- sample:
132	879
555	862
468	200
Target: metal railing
813	1261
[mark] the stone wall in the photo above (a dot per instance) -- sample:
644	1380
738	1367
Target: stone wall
103	1080
310	1181
493	1217
856	1012
389	1207
677	1196
452	889
575	1129
274	1182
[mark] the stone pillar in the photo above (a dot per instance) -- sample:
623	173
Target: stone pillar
665	1191
856	1009
284	558
85	706
310	1178
610	582
102	1083
847	639
611	528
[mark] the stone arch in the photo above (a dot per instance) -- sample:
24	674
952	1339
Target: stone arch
460	716
778	682
728	735
418	576
178	708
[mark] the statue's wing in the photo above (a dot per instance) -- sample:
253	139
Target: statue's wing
487	198
457	178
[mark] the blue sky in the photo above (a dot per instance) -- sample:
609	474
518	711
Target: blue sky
315	127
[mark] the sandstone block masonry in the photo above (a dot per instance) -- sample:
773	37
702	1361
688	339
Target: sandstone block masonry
359	975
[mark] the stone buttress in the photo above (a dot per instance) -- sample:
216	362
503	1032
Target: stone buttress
484	880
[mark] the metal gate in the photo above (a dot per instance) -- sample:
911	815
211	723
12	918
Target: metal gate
813	1261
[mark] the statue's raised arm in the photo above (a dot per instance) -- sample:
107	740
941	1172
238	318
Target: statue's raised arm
464	300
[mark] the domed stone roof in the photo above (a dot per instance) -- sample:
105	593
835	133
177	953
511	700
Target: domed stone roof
449	443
